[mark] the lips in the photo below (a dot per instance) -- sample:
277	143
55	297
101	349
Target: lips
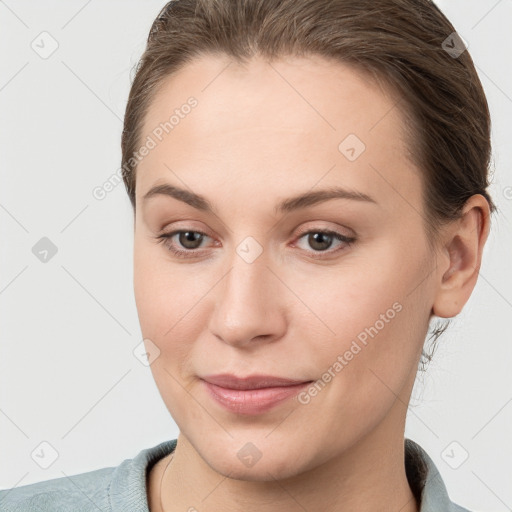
253	394
250	382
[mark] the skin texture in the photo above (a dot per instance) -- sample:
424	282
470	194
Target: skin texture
259	134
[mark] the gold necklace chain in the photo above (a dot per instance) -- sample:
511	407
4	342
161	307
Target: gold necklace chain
161	480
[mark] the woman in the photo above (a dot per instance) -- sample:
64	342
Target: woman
308	179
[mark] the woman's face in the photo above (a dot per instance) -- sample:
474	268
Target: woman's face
261	291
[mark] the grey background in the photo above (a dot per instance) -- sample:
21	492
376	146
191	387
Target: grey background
69	326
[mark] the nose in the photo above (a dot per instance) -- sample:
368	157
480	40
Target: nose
250	306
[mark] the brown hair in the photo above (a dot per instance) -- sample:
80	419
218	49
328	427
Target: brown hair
404	44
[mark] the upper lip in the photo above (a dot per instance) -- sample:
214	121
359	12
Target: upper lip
251	382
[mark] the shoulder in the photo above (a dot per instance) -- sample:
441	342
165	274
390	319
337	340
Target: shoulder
426	481
111	489
85	491
458	508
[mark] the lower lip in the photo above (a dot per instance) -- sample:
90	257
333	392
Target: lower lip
253	401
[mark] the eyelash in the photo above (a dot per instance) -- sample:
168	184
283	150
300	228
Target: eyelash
162	238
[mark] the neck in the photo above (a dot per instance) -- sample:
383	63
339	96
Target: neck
369	477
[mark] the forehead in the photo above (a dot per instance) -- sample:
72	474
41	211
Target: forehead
293	117
300	93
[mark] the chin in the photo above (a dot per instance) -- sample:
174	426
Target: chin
261	461
268	471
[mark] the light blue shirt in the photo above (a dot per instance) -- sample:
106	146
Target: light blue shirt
123	488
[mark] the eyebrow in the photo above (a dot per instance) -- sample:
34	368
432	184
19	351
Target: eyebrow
288	205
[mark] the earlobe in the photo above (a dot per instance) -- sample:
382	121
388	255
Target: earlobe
464	242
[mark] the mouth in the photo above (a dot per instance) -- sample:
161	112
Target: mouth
251	395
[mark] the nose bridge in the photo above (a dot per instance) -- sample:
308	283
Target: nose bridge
249	274
246	284
246	302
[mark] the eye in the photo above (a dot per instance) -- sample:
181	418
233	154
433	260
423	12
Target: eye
322	240
189	241
187	238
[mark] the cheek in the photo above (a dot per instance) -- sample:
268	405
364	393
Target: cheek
367	363
372	311
158	306
165	307
345	299
171	301
145	274
160	291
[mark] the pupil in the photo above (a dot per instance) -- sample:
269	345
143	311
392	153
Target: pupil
319	238
189	237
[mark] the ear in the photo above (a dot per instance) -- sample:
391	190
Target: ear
461	256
